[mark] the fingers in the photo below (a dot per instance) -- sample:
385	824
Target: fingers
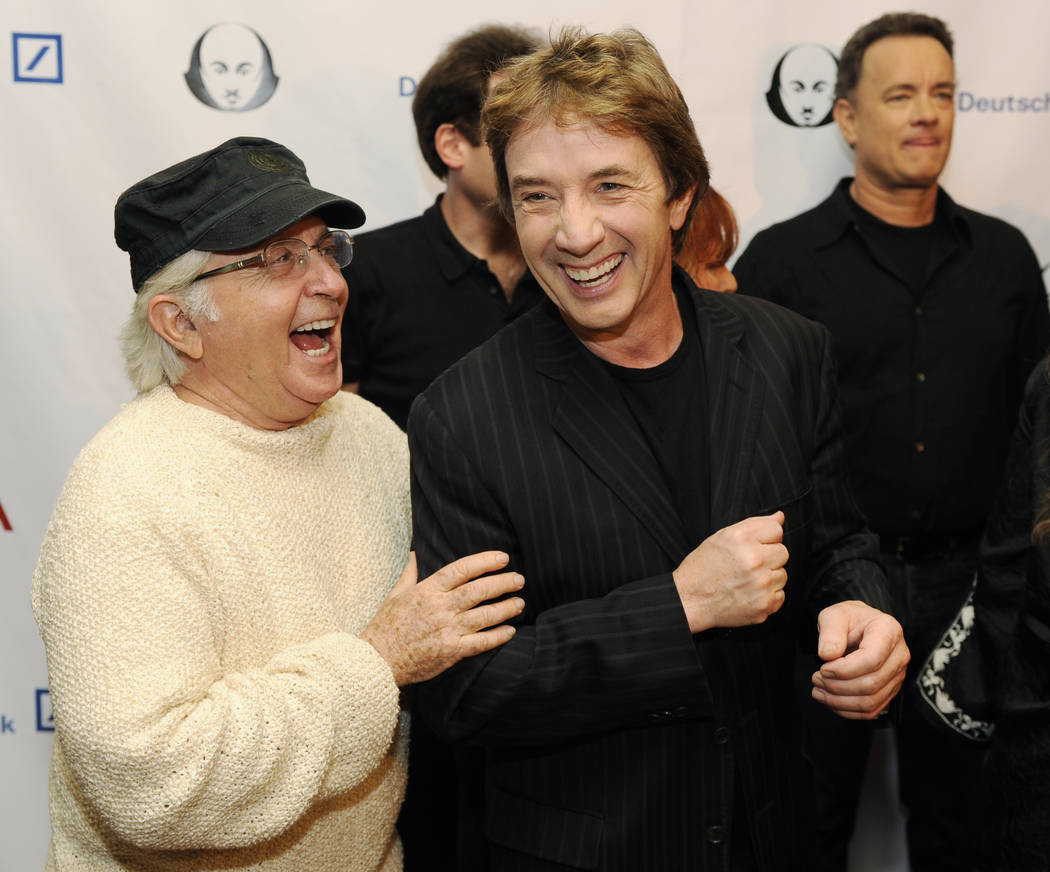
758	542
869	681
833	629
490	614
486	640
767	533
879	641
771	529
859	684
489	587
865	660
765	529
466	568
865	695
776	601
857	704
853	624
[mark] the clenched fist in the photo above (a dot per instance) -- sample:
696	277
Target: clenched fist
736	576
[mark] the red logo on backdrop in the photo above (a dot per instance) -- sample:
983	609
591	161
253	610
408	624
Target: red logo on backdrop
6	524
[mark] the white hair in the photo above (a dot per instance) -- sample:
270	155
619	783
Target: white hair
148	358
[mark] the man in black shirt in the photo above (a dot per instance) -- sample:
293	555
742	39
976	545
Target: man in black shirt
425	291
937	314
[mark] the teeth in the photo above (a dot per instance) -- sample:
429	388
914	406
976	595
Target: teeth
596	274
317	352
315	325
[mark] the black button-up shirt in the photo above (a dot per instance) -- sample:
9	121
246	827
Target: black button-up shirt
930	372
419	301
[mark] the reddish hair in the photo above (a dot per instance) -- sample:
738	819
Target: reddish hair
711	237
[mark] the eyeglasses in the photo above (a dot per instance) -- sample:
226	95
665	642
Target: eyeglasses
288	257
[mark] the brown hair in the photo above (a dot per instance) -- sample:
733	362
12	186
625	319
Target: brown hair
616	82
453	89
712	235
890	24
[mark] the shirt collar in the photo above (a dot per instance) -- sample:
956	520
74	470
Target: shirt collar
835	221
453	259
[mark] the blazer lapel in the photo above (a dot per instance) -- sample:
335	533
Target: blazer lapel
735	397
592	418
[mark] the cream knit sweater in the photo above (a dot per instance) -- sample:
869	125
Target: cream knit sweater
198	592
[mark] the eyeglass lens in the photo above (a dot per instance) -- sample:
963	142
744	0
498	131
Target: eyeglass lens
286	256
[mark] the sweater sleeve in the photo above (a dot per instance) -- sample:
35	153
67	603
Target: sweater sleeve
167	749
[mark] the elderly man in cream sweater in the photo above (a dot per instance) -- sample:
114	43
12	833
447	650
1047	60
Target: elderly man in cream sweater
216	591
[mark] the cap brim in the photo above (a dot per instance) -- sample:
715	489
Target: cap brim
273	211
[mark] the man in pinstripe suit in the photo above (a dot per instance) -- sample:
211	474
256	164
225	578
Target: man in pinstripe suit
664	466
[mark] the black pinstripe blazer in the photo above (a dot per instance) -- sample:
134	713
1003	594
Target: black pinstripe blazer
612	736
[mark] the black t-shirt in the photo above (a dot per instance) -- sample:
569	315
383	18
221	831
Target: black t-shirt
669	402
911	253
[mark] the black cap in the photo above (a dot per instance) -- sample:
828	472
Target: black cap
234	196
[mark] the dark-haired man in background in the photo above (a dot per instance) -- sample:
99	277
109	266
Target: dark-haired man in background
425	291
938	314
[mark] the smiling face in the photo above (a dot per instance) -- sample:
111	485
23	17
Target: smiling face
807	84
591	212
272	356
901	115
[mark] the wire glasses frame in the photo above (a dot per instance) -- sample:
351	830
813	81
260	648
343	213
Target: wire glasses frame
285	257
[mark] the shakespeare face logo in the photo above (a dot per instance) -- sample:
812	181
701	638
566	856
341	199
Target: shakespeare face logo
231	69
803	88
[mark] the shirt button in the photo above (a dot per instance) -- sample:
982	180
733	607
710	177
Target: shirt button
721	735
916	514
920	377
920	447
715	834
493	291
918	310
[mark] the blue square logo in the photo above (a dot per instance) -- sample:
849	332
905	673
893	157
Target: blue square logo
37	57
45	718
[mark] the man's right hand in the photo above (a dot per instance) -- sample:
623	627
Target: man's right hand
421	629
736	576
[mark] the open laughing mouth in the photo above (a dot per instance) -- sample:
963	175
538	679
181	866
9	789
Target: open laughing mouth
313	339
595	275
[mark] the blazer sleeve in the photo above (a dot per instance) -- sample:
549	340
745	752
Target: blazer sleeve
1013	594
844	563
1032	341
595	665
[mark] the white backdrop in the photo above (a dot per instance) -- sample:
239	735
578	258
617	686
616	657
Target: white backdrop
117	107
